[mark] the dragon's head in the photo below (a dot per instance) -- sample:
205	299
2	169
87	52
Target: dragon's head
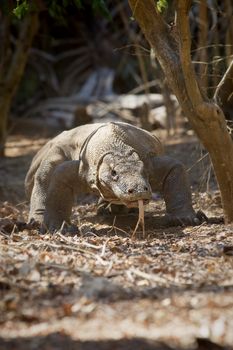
122	179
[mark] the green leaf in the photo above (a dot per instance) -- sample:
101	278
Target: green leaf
78	3
100	5
65	3
21	9
162	5
57	11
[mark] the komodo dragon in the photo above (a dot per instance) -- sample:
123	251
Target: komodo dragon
119	162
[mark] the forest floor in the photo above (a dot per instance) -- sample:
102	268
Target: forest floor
102	289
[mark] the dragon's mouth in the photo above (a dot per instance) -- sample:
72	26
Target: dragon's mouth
134	204
128	204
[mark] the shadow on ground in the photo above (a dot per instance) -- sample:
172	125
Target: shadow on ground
60	342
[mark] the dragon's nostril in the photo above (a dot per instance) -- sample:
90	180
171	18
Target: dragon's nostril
146	188
130	190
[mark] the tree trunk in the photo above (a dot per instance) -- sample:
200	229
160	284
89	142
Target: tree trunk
4	111
172	49
13	71
202	43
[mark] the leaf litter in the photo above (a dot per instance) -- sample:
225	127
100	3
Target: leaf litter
173	286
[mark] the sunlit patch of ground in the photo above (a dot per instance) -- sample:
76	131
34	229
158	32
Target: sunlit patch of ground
101	288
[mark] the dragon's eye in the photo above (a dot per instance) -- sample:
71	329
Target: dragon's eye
113	173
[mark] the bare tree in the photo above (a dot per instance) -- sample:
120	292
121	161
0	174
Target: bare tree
171	45
12	64
202	43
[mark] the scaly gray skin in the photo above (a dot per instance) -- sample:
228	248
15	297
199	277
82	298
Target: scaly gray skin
118	161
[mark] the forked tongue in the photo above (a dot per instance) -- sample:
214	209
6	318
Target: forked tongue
140	218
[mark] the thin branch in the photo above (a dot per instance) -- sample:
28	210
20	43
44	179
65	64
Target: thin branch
228	75
185	49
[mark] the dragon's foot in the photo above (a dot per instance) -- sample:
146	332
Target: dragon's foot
186	219
51	227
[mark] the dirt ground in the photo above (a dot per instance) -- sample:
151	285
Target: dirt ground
102	289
